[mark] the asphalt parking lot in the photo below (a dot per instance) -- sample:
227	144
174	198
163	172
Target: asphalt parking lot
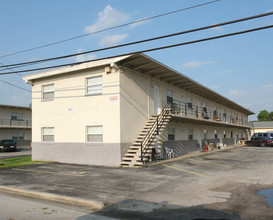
222	184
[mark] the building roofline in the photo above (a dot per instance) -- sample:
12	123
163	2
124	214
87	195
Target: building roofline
90	64
14	106
133	60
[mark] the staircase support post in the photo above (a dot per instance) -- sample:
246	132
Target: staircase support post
141	153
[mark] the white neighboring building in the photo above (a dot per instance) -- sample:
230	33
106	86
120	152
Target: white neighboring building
105	111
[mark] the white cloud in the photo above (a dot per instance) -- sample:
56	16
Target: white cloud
194	64
270	85
138	23
112	40
109	17
83	57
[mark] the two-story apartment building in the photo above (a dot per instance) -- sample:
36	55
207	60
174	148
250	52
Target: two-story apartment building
118	110
15	123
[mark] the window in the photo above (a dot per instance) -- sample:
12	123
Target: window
94	134
48	92
225	135
16	116
170	134
231	134
47	134
19	136
190	134
215	134
205	135
94	85
189	102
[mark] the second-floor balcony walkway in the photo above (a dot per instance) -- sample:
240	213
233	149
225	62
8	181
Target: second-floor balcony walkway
11	123
187	112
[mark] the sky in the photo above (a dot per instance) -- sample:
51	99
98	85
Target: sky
239	67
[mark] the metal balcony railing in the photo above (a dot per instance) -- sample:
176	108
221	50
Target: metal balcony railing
194	111
15	123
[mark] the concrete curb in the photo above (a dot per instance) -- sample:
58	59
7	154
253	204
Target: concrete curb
96	205
198	153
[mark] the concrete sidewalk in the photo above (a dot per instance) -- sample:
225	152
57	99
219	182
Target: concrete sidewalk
188	183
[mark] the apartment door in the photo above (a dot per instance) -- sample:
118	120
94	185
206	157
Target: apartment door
169	94
156	99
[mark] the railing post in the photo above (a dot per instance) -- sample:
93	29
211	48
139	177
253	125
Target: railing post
157	132
141	154
185	109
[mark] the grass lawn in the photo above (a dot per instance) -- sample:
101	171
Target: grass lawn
18	161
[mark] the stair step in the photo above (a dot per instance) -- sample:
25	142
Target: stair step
137	150
139	143
137	159
138	154
139	147
131	164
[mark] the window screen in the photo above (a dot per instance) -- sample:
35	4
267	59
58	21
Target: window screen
47	134
95	134
94	85
48	92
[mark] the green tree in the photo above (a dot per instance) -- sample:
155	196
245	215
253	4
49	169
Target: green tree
270	116
263	115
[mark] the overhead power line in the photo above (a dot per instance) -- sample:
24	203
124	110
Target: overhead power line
110	28
151	49
140	41
11	84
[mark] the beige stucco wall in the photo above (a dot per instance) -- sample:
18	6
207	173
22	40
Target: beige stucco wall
137	105
181	131
6	133
122	120
70	112
5	112
134	106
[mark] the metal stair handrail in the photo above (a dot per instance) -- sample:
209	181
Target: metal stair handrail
154	130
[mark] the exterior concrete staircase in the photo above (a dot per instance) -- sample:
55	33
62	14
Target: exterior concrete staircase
140	152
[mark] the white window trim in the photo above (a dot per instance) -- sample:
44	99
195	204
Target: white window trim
86	86
86	134
48	99
42	135
19	116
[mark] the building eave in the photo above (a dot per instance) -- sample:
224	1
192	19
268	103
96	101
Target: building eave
152	68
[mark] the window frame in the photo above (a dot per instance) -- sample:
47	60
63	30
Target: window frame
53	92
190	134
171	134
90	86
93	134
18	136
16	116
42	135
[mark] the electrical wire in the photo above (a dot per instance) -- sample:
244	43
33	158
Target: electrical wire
15	85
110	28
141	41
149	50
